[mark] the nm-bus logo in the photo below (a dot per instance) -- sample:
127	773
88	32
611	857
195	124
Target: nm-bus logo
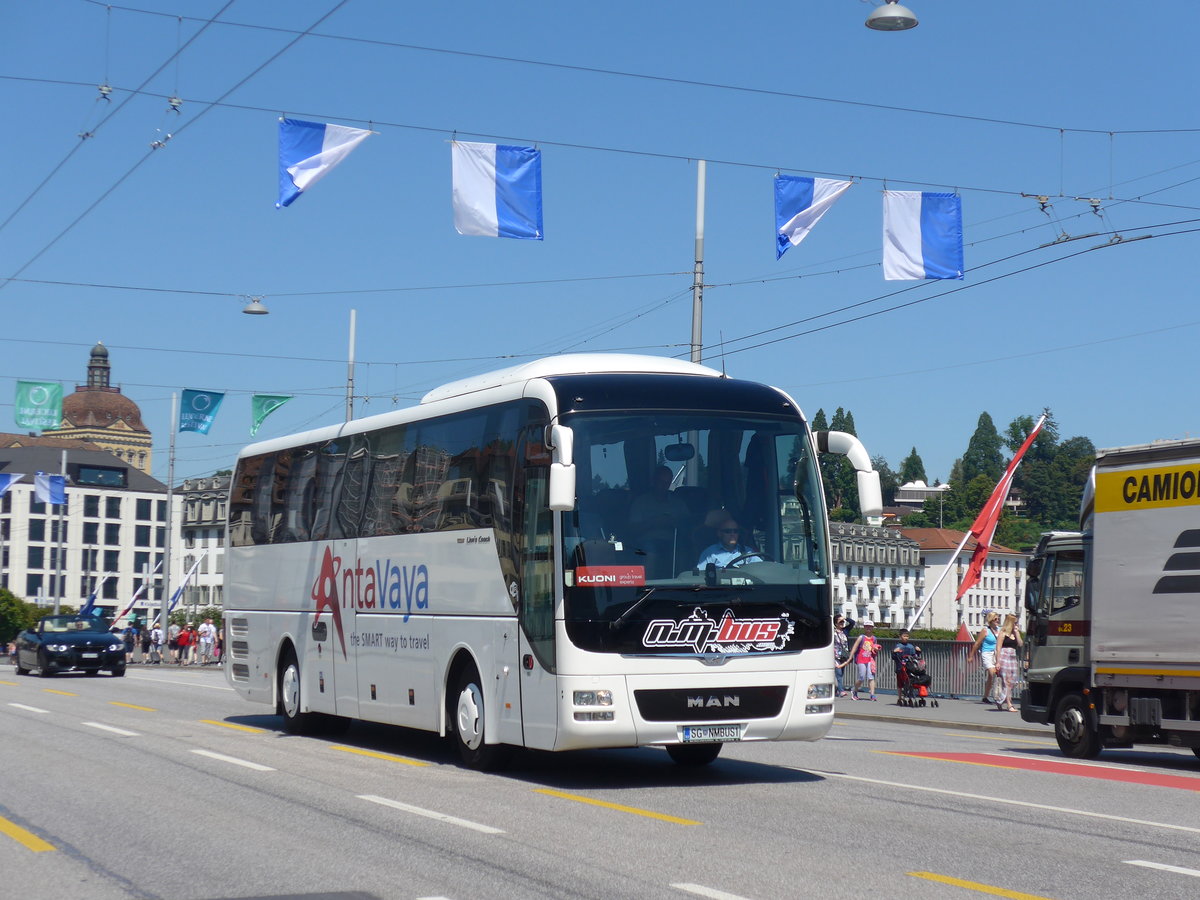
729	635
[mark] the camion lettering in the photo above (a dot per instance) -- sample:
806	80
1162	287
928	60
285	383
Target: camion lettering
1161	486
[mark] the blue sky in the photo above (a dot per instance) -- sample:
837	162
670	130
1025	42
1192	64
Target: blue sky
156	252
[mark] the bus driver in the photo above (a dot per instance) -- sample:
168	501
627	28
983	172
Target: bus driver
728	548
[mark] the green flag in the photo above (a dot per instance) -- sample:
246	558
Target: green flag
262	405
38	404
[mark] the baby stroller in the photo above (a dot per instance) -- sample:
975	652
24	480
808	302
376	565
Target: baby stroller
913	681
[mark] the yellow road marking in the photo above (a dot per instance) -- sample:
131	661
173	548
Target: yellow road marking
236	727
133	706
21	836
977	886
618	807
933	754
64	693
388	756
11	683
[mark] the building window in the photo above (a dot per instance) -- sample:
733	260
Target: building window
143	508
33	585
112	560
112	533
141	535
37	529
91	532
36	557
112	507
160	510
91	505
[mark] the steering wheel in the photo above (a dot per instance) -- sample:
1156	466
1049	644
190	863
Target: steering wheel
737	559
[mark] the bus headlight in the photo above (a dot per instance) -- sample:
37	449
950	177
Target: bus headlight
592	698
820	691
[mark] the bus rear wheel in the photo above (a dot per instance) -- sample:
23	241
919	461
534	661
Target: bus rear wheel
465	712
693	754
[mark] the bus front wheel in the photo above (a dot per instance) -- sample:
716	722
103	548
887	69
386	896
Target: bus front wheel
693	754
288	703
466	714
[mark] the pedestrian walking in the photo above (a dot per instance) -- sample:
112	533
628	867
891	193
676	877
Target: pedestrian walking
985	647
864	652
206	634
841	652
156	646
1008	664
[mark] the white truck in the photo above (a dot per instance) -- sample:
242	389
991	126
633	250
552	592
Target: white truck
1113	649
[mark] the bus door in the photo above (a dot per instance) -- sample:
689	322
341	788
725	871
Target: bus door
330	680
535	581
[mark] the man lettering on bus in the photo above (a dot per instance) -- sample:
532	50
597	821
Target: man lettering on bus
728	548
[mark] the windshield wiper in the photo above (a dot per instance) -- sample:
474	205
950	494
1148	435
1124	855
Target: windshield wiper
620	620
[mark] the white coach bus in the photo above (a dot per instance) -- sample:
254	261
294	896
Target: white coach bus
498	563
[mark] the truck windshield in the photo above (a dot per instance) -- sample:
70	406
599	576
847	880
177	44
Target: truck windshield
695	533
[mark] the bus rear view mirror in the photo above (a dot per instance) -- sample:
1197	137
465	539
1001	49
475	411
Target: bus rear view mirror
680	452
562	487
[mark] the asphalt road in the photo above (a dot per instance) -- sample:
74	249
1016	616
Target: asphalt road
166	784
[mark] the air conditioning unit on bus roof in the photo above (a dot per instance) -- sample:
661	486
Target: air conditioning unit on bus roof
570	364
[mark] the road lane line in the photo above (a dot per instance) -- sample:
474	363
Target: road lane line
701	891
11	683
1178	870
121	731
133	706
196	684
258	767
56	691
1008	739
236	727
430	814
29	708
388	756
977	886
991	798
632	810
26	838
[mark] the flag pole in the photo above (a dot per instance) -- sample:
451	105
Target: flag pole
350	369
698	272
166	571
929	595
61	594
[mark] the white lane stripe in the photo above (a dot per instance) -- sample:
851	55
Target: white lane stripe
112	728
991	798
701	891
1178	870
211	687
234	760
29	708
430	814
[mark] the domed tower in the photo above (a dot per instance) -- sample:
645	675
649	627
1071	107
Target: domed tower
100	413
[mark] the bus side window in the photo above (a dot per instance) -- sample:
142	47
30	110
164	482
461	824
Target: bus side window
355	482
261	522
535	544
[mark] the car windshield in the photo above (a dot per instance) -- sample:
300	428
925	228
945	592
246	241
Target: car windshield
693	516
73	624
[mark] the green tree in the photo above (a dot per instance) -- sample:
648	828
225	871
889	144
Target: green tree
983	455
889	483
15	615
913	469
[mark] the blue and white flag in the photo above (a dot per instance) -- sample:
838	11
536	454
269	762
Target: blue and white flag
50	488
308	151
799	204
198	410
922	235
7	480
497	190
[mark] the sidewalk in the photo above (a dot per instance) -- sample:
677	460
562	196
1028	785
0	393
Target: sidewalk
967	713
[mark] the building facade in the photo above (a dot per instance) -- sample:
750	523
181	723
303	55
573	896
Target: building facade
202	535
108	537
1001	584
877	574
98	412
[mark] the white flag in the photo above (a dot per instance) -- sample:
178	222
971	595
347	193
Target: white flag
497	190
799	204
308	151
922	235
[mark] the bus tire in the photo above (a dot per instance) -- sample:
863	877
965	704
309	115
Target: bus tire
1075	738
288	701
694	754
465	713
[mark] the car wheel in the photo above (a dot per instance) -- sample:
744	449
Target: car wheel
1075	738
44	667
118	671
91	673
21	670
465	712
288	702
693	754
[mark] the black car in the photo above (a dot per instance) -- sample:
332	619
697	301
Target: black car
70	643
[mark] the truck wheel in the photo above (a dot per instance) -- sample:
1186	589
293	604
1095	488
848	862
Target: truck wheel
1075	738
1196	750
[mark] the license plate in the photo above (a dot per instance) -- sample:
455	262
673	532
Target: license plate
89	655
695	734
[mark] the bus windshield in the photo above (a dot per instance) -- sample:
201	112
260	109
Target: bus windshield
695	533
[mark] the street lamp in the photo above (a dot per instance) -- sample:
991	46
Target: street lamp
891	17
255	307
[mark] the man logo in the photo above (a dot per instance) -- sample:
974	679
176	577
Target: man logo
702	702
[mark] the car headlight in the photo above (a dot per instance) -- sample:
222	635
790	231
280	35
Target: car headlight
57	648
115	647
592	698
820	691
